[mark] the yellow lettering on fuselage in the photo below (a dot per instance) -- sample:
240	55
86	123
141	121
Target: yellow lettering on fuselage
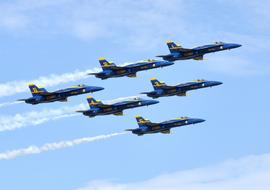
156	128
108	109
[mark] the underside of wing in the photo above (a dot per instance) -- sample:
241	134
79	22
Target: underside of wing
120	113
166	87
198	58
103	105
166	131
132	75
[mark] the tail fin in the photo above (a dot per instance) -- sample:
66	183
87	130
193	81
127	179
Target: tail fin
141	121
36	90
105	64
92	102
173	47
156	84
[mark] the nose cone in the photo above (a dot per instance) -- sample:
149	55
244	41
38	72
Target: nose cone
165	63
94	89
168	63
214	83
195	120
232	46
150	102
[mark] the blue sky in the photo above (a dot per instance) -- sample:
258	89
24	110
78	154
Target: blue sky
52	41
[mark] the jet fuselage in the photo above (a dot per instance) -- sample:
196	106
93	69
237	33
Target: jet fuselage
117	108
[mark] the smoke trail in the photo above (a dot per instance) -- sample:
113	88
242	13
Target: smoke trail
5	104
9	123
34	118
14	87
54	146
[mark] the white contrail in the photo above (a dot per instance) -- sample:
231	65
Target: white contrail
14	87
33	118
5	104
53	146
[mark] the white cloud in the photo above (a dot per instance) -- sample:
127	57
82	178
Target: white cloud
249	173
144	24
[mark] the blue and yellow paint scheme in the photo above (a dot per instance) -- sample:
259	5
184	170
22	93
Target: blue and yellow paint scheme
41	95
177	52
98	108
147	127
162	90
110	70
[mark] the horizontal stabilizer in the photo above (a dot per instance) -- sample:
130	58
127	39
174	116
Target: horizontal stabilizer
21	100
92	73
163	56
80	111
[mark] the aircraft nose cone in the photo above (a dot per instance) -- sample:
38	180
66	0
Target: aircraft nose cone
99	88
195	120
200	120
168	63
216	83
94	89
232	46
237	45
150	102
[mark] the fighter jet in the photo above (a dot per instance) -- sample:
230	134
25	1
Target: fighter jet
161	89
180	53
147	127
41	95
110	70
98	108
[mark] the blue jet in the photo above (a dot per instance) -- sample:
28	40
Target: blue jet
98	108
180	53
147	127
41	95
110	70
162	90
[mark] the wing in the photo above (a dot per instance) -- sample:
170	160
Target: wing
115	68
124	103
181	49
136	65
166	87
103	105
166	131
150	124
198	58
63	91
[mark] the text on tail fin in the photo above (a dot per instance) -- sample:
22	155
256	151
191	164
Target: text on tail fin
173	47
141	120
105	64
156	83
91	101
36	90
